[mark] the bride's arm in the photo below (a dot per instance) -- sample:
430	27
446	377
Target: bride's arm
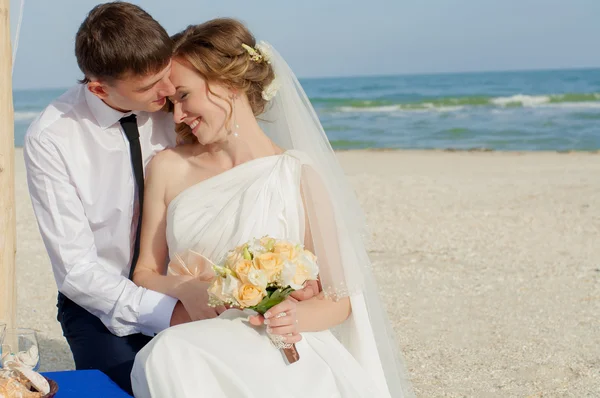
321	236
151	267
320	313
150	271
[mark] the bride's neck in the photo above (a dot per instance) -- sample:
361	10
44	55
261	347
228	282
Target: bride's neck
245	141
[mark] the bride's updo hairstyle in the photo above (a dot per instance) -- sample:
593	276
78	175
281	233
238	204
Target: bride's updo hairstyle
218	51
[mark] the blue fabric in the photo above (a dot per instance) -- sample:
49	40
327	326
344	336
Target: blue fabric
85	383
95	347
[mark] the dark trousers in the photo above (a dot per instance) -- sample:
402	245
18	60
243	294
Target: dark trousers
95	347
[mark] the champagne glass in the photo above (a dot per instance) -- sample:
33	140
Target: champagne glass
20	346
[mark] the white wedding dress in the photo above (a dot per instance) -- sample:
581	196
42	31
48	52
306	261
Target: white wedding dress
226	356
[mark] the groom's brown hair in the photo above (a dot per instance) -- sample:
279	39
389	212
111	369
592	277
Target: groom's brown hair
119	39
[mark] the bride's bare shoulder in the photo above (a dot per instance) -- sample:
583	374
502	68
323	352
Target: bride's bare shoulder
169	161
278	150
171	157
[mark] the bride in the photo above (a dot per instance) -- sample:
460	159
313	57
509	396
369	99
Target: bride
253	160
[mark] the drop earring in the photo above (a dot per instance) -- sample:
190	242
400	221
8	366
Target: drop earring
236	126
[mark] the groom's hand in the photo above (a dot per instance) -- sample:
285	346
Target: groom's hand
193	295
180	315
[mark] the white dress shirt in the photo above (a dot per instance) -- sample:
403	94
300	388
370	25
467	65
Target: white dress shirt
82	188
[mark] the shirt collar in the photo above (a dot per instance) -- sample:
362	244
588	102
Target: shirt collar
104	114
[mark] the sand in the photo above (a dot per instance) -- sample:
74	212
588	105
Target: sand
488	263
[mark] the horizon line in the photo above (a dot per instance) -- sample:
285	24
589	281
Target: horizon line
373	75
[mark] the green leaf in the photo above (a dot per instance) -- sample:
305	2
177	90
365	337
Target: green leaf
247	255
272	300
270	245
271	289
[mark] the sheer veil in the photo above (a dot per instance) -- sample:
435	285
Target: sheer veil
338	229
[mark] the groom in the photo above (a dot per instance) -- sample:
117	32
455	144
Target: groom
85	157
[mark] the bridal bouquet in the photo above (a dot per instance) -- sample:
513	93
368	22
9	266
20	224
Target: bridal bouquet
261	274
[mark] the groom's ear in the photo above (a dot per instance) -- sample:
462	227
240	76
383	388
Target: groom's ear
97	89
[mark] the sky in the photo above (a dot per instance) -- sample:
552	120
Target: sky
325	38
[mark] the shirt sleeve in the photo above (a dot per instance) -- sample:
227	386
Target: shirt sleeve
121	305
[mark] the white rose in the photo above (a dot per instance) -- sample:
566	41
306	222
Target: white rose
256	248
230	286
265	51
271	90
258	278
307	260
288	276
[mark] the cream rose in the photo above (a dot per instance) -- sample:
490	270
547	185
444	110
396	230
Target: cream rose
232	259
270	263
285	249
249	295
242	268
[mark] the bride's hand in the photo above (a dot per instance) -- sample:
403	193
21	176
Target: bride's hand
310	289
194	296
281	320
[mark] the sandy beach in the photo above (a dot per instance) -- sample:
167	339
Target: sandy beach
488	262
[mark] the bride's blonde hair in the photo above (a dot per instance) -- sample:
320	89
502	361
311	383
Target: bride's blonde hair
216	50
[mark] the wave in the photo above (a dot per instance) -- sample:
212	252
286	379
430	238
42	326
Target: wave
352	144
450	104
393	108
25	116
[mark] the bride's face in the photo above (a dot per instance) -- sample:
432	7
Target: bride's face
204	111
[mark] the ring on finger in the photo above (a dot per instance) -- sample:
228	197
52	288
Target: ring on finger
281	315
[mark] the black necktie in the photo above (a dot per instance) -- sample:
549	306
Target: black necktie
130	127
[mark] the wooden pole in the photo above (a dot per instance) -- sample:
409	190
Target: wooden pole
8	232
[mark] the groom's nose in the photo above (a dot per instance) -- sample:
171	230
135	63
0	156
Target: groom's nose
167	88
178	114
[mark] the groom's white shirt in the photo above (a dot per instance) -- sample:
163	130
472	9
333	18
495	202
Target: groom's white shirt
83	192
